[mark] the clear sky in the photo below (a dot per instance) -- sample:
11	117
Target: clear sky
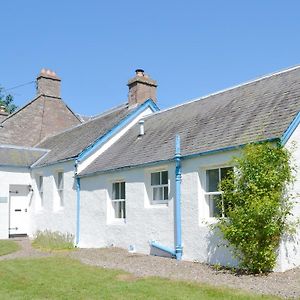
190	47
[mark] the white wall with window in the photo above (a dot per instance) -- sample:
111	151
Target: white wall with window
59	198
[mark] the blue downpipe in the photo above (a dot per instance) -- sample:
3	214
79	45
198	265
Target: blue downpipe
78	210
178	246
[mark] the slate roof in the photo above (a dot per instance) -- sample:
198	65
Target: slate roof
19	157
255	111
70	143
42	117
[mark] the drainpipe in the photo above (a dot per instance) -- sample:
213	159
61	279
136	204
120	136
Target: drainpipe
178	246
177	215
77	180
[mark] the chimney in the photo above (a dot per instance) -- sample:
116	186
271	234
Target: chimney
141	88
48	84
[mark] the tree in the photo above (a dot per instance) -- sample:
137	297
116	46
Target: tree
258	205
7	102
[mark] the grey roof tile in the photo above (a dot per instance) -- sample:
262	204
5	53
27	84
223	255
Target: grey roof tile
258	110
70	143
19	157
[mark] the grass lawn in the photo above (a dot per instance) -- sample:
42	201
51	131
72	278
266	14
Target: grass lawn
7	246
62	278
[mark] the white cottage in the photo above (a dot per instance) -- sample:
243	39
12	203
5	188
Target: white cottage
121	179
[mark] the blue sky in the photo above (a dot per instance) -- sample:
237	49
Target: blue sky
190	47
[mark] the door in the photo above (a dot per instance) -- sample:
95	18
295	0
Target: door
18	206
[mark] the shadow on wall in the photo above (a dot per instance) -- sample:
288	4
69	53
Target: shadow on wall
218	251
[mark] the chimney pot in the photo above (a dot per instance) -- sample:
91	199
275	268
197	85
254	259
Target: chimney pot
139	72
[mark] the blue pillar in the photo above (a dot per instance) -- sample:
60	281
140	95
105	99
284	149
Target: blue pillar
78	210
178	245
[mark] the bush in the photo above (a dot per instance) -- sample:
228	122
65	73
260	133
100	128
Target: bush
48	240
258	205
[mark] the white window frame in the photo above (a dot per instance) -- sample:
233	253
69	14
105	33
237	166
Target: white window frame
118	200
208	195
163	186
60	188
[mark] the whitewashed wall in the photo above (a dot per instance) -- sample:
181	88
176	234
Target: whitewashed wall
9	175
289	252
145	221
51	216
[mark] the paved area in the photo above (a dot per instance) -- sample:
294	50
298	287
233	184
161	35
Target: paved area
285	285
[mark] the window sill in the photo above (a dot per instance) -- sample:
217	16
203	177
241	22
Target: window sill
162	203
117	222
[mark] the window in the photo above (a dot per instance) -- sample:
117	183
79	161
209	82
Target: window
118	200
60	187
40	186
159	185
213	195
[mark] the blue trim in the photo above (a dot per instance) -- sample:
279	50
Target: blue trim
101	140
77	210
292	127
178	245
163	248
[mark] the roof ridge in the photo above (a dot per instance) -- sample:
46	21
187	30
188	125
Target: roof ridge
84	123
269	75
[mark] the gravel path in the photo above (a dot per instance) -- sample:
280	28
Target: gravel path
285	285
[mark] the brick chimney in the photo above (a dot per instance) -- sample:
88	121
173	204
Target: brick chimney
48	84
141	88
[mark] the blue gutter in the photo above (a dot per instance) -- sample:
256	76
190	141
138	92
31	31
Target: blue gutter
292	127
77	182
87	151
177	215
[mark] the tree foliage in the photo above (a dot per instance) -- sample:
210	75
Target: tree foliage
258	205
7	102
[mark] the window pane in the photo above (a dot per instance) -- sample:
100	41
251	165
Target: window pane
166	193
164	177
40	183
119	208
225	172
115	191
214	202
158	193
212	180
60	181
123	211
122	190
155	178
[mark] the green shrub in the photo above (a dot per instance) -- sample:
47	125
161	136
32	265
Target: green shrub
48	240
258	205
7	246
